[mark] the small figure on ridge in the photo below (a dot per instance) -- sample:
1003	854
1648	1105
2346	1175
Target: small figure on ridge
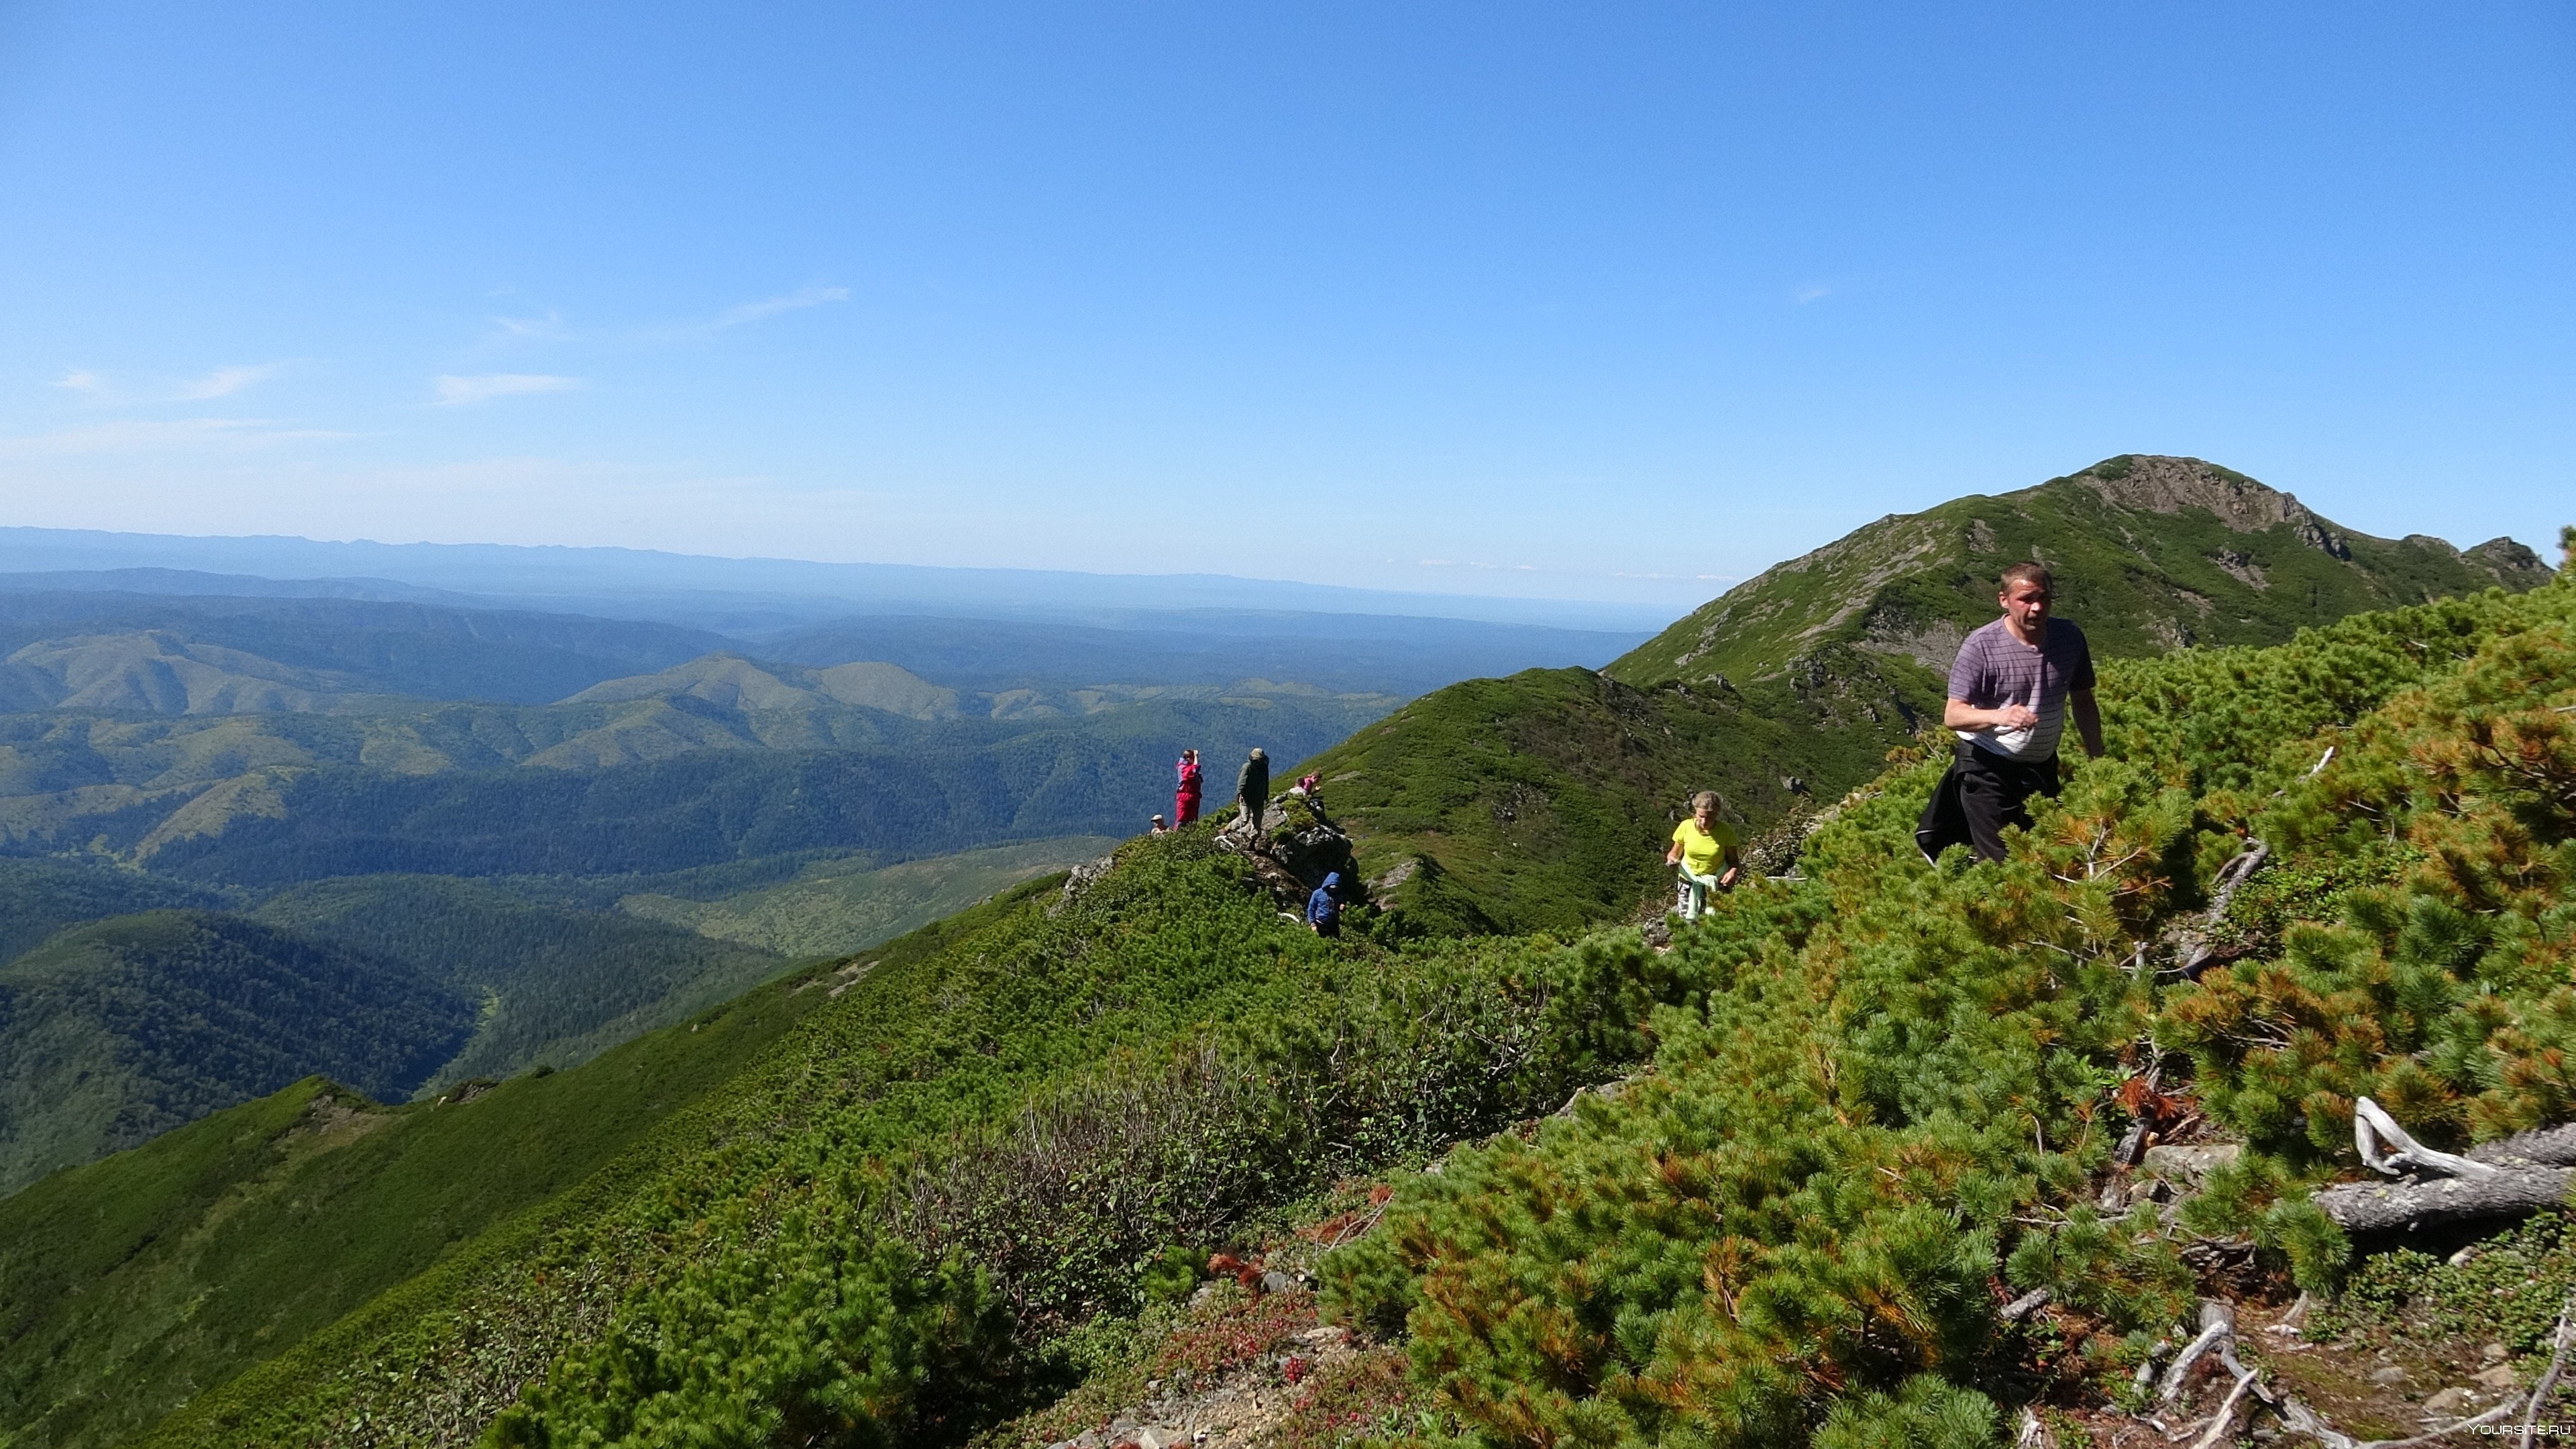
1324	907
1252	791
1185	800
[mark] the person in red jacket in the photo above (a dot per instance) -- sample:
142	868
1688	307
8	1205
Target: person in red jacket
1185	800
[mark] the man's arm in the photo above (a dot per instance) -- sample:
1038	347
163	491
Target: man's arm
2088	720
1958	714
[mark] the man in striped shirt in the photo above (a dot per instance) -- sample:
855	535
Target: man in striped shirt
2011	688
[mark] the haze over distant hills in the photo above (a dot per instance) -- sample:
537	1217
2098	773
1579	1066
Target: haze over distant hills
546	832
755	593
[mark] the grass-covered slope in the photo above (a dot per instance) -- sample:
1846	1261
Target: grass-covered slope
128	1285
116	1031
551	984
1544	800
2150	553
1888	1107
1065	1089
1881	1100
838	906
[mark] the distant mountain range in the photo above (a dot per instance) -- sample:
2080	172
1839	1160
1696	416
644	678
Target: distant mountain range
753	593
1541	801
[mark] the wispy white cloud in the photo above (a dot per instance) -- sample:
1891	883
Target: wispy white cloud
549	328
1811	292
224	382
771	307
170	435
453	390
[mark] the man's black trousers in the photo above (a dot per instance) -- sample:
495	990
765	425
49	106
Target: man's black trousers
1981	794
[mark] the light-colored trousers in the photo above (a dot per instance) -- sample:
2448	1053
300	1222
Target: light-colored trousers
1692	892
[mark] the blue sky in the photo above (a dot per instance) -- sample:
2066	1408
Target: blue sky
1610	302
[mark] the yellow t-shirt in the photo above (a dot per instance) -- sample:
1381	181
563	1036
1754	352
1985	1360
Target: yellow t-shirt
1703	851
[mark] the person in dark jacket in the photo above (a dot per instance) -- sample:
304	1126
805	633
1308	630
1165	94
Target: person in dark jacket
2016	683
1252	789
1324	907
1185	800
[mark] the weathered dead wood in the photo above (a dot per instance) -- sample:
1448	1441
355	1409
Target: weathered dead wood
2217	1325
2226	1417
2386	1147
2546	1146
2298	1418
2548	1381
2026	1305
2467	1189
2230	876
2374	1207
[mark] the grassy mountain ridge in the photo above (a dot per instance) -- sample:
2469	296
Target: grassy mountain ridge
553	985
116	1031
131	1284
1877	1091
840	906
40	897
2151	554
1555	798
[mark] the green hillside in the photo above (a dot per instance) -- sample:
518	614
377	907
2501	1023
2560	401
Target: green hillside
114	1032
1894	1108
1880	1101
553	985
664	782
2150	553
1539	802
40	897
128	1285
1546	799
835	907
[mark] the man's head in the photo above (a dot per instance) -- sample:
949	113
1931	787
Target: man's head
1256	753
2027	591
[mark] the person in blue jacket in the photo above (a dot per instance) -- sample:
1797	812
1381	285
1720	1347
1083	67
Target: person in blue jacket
1324	907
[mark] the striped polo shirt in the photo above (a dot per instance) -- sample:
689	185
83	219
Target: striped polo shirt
1995	669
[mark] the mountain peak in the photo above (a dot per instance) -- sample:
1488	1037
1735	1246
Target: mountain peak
2168	486
2151	553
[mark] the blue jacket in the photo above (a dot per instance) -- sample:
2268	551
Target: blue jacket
1323	906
